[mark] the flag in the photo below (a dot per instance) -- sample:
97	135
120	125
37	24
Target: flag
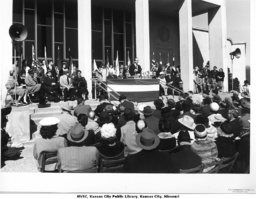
45	58
70	62
160	59
33	55
173	60
107	64
59	60
129	61
94	65
117	64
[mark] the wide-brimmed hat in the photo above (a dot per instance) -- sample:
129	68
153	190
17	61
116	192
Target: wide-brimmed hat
214	107
216	118
49	121
77	134
216	98
184	136
147	139
171	102
147	110
187	121
200	131
122	97
104	118
66	107
6	111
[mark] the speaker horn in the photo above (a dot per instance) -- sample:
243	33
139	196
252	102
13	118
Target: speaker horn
18	32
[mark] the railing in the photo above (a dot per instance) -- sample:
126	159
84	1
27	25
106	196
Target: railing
171	87
105	88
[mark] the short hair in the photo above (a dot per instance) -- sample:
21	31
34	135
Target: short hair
79	99
82	117
128	114
47	132
246	82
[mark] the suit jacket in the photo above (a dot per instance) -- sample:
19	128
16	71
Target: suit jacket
48	83
152	123
32	85
152	161
77	158
132	70
184	158
64	82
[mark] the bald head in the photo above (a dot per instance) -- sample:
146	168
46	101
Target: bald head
91	115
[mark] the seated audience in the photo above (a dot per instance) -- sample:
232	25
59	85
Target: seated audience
152	121
159	105
109	146
124	102
149	159
92	125
80	85
210	129
49	140
205	148
85	137
182	156
51	87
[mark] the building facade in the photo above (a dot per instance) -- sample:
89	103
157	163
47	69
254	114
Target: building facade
101	29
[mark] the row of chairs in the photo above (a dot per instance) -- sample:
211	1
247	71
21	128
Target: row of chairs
224	165
106	164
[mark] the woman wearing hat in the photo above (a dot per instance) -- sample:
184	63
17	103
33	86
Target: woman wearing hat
225	141
205	147
109	146
149	159
49	140
159	105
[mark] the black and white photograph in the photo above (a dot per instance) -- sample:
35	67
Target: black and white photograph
127	98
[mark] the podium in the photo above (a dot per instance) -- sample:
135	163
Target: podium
137	90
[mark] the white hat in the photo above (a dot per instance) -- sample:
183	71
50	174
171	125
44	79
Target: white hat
49	121
66	107
214	107
216	118
187	121
200	131
108	130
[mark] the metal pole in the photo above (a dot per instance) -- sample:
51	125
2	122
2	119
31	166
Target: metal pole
232	58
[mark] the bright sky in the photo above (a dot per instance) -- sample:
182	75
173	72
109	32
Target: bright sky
238	23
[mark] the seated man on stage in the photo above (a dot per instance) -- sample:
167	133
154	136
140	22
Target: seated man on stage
135	68
67	87
33	87
20	90
80	84
51	87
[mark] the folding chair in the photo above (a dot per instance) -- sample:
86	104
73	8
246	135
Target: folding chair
227	163
90	170
198	169
46	158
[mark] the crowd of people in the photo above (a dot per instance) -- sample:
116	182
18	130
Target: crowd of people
172	136
41	82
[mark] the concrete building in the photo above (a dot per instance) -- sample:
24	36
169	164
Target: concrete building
98	29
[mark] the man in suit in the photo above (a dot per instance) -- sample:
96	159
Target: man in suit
151	120
67	87
149	159
135	68
51	87
183	157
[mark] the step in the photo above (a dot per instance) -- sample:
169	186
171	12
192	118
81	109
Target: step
45	114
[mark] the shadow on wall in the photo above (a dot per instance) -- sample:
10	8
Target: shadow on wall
197	55
248	73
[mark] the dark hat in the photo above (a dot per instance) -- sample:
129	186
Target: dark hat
206	92
122	97
226	128
184	136
186	105
77	133
6	111
216	98
207	100
147	110
215	91
214	66
147	139
159	103
165	111
104	118
185	95
200	131
171	102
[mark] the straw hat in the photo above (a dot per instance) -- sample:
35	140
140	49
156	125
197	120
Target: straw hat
147	139
187	121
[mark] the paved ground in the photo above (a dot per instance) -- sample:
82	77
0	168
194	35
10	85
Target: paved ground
28	164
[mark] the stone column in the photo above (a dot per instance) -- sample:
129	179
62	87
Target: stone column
186	45
217	22
85	41
6	45
142	33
